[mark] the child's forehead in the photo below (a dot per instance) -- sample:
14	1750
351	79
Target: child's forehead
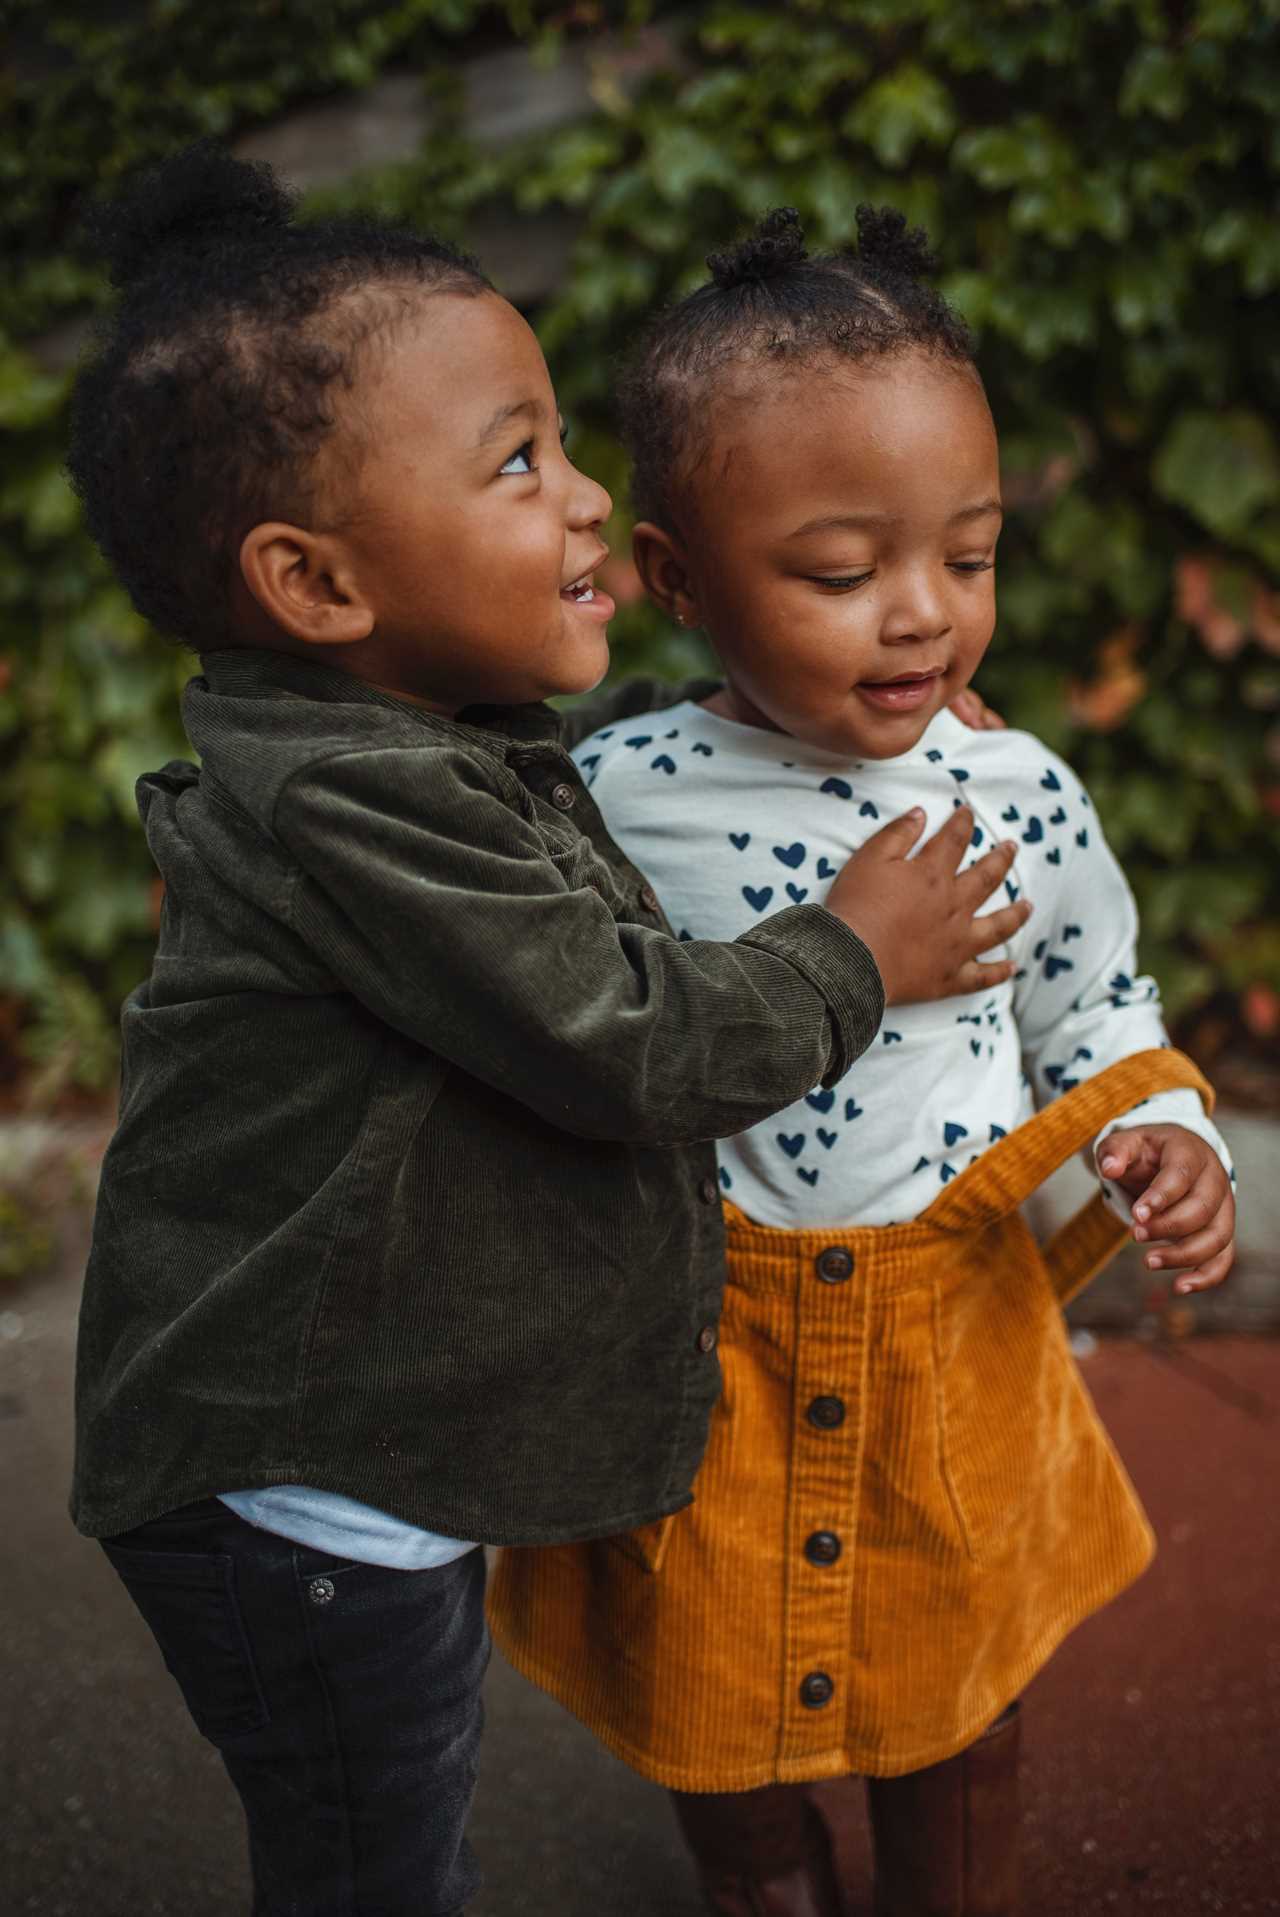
835	425
460	366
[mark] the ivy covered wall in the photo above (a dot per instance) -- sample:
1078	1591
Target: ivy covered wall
1101	182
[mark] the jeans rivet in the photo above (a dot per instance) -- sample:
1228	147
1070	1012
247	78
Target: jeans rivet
320	1590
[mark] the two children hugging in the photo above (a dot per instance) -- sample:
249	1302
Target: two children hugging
411	1235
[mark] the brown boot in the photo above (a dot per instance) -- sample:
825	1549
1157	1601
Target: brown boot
947	1838
761	1853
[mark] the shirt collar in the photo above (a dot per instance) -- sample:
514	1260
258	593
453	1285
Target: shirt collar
252	672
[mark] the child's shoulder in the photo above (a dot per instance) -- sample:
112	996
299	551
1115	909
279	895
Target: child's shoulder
256	750
1010	753
650	747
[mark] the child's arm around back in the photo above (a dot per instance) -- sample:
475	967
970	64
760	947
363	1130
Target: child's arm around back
486	914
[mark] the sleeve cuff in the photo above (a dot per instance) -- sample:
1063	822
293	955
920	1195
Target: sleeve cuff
833	959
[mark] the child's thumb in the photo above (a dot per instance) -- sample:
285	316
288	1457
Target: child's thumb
1117	1152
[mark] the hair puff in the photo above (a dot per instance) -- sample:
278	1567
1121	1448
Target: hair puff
776	243
186	200
885	240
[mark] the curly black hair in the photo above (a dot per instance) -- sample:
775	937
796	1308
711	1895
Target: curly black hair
769	300
217	377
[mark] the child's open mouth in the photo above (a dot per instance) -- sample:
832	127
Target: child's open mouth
904	694
582	592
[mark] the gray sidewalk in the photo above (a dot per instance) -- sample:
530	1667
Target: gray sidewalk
1153	1740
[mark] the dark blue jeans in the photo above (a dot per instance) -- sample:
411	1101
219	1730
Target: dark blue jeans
344	1699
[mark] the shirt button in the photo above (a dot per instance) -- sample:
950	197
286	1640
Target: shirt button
707	1339
834	1265
817	1690
708	1191
823	1547
563	796
648	898
827	1414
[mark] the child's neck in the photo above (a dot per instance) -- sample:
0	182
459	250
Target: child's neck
729	703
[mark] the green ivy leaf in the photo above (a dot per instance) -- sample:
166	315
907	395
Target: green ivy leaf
905	109
1221	466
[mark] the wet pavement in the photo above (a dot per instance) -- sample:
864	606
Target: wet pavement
1152	1776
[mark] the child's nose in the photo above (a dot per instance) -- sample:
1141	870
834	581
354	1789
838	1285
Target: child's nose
589	503
917	611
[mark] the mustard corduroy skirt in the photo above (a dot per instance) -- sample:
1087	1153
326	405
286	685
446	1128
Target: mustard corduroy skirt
907	1500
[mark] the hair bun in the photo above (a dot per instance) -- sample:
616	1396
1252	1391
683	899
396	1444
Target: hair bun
776	244
885	240
189	197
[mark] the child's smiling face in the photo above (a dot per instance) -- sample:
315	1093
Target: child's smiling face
455	565
839	543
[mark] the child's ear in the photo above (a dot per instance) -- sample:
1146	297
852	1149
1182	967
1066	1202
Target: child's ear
664	572
302	583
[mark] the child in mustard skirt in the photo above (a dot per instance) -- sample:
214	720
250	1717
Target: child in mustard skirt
908	1499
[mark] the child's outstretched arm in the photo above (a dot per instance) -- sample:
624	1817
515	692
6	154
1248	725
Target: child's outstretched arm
1182	1198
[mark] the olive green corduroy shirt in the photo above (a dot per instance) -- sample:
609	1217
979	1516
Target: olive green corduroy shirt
412	1195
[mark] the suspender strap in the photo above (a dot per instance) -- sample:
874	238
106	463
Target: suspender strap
1013	1168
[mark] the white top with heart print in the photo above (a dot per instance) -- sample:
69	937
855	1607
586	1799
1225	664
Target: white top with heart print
732	822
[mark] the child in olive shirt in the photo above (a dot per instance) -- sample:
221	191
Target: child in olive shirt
409	1236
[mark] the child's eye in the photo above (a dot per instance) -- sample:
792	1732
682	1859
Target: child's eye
972	565
521	460
845	582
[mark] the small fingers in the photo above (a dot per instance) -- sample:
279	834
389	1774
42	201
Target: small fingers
896	839
985	874
997	928
1209	1274
1185	1253
974	976
948	843
1176	1176
1119	1152
1193	1213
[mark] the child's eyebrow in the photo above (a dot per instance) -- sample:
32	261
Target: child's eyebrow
864	522
530	408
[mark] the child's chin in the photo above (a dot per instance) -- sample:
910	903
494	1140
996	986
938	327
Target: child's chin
583	673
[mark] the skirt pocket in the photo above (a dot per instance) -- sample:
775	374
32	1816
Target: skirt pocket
1002	1364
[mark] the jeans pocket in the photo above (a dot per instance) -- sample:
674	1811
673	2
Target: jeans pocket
188	1599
